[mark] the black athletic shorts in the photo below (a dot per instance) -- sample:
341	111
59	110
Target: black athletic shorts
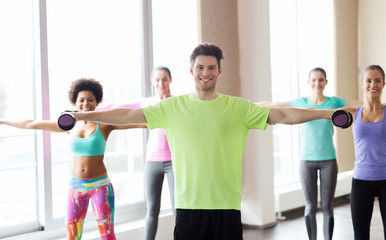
208	225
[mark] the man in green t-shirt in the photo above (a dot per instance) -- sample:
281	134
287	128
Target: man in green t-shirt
206	132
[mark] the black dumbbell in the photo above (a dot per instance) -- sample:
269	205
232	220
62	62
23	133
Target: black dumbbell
341	118
66	120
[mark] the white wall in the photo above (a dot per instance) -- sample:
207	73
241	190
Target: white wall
372	34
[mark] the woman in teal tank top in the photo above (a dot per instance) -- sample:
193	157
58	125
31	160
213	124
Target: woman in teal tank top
318	152
89	175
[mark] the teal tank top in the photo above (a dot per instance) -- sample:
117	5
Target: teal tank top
317	136
93	145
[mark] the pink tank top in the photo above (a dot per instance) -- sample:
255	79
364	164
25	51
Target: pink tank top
157	144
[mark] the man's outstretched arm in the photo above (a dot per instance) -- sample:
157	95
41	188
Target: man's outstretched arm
295	115
118	116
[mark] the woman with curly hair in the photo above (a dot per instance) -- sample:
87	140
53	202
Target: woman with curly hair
89	179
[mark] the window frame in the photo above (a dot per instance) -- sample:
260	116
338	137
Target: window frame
297	86
42	148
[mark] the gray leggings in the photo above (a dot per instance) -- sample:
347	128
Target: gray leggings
328	171
154	177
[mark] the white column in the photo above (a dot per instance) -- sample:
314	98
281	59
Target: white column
258	207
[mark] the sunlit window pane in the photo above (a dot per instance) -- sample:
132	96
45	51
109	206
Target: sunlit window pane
301	39
173	43
175	37
97	39
18	201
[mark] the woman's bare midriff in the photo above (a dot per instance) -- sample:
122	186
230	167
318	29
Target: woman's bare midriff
88	167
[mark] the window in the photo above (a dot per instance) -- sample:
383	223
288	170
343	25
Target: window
45	46
173	50
301	39
18	204
100	40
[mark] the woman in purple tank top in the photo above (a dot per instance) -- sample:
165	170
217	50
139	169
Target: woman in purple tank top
369	131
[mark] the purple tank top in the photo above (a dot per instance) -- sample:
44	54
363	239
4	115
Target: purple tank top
370	148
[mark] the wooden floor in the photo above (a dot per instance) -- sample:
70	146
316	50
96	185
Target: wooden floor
294	228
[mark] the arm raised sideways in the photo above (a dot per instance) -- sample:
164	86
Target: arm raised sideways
118	116
129	126
32	124
274	104
296	115
353	104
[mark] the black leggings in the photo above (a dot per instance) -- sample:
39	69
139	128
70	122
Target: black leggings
362	203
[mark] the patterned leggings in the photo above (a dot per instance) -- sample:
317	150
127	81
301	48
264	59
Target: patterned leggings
102	201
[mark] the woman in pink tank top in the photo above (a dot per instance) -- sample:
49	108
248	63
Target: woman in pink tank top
158	158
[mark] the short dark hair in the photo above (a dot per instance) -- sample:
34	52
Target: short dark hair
318	69
85	84
373	67
161	68
207	49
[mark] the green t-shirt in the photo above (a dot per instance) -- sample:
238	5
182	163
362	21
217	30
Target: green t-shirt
317	142
206	140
